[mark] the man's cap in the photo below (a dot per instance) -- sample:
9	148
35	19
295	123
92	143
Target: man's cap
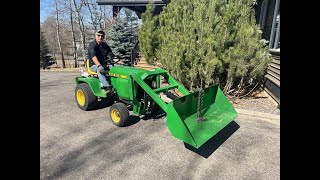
100	32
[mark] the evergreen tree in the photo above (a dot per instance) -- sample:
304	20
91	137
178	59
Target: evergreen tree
202	42
122	36
45	59
148	35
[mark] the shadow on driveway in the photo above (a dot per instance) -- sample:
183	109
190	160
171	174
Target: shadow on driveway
216	141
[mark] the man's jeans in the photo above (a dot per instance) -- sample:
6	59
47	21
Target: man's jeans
102	77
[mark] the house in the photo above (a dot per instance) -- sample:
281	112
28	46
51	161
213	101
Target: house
268	17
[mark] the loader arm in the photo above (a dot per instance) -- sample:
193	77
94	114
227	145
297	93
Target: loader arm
154	93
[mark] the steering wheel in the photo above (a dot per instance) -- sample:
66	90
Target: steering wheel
110	61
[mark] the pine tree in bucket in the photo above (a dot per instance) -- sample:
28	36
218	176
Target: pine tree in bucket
203	42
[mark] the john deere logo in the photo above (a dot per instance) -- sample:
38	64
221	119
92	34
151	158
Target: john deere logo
118	75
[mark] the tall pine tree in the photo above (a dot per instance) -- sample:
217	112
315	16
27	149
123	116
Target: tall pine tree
45	59
148	34
202	42
123	35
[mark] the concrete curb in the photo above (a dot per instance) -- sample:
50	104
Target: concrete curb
258	114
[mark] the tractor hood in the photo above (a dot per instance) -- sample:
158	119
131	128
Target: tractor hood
124	71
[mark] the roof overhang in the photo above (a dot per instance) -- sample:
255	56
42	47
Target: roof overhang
131	2
139	6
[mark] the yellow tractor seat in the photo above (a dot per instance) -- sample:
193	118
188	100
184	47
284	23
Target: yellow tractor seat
88	68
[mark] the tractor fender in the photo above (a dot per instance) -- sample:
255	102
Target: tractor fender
94	84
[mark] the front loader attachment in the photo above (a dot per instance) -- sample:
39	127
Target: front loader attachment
217	112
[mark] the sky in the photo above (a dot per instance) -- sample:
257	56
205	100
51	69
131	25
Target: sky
46	6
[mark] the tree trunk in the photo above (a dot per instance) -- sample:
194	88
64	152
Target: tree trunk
104	18
62	59
81	27
75	54
58	35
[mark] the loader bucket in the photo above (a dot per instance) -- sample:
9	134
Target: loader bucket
217	112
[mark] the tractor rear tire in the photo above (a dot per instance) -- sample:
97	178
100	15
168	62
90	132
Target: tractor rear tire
119	114
85	98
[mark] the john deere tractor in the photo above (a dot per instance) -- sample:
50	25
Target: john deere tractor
144	91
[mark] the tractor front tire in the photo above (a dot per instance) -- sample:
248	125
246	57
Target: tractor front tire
119	114
85	98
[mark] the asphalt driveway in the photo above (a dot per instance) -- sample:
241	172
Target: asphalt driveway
76	144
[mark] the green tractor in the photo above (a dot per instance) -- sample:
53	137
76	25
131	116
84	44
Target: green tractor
144	91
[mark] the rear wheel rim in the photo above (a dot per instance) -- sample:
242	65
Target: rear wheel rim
115	116
80	97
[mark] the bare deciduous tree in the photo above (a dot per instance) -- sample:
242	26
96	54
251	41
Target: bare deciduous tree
49	27
58	34
81	28
95	15
75	54
70	25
